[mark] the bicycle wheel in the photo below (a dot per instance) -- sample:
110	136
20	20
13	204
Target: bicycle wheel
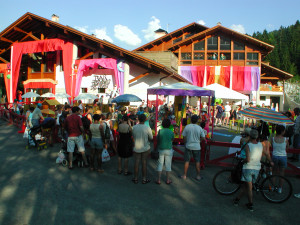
223	184
276	189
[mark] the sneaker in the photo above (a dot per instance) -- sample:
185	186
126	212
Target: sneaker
236	202
297	195
279	190
250	207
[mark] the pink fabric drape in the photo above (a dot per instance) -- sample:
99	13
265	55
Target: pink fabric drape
198	75
41	46
238	78
247	78
86	64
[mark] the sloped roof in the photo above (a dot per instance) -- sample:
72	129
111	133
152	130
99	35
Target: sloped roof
172	34
273	71
260	44
32	26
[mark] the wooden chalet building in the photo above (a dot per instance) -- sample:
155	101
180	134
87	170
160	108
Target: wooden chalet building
43	55
205	55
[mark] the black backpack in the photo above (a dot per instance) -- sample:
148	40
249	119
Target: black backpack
220	110
106	132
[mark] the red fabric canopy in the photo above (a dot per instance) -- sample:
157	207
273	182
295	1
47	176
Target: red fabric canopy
40	85
238	78
18	49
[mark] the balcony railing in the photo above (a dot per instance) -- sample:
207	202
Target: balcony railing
268	87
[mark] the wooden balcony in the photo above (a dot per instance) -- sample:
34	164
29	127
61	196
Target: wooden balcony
268	87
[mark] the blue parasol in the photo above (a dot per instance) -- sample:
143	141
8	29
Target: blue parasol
126	98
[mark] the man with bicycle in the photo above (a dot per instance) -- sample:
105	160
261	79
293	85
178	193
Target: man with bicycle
254	152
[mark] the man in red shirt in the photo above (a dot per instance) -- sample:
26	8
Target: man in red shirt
74	128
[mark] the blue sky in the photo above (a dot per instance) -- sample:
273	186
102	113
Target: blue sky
130	24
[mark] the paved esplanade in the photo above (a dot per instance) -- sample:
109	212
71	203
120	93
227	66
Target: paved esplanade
35	190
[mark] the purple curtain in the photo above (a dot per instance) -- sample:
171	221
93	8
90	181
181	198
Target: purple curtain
255	78
247	79
186	73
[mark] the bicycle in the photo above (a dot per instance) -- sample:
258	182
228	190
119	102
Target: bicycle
267	184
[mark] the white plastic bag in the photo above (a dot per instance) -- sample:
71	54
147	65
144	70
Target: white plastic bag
25	135
105	156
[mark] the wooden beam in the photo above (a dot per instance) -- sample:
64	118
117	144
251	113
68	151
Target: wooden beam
5	39
20	30
83	38
121	54
47	24
87	55
65	31
138	77
30	33
269	78
4	50
3	60
263	74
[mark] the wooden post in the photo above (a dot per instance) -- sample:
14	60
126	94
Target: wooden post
156	114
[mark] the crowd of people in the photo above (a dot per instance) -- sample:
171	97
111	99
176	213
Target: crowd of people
130	133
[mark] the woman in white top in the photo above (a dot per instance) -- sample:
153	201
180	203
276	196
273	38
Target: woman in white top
254	152
280	145
97	131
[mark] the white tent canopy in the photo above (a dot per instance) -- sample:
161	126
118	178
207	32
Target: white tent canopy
226	93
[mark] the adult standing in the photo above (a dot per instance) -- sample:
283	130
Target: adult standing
296	141
97	142
109	102
142	136
74	128
234	111
37	115
125	145
227	114
101	102
164	144
219	113
254	152
80	106
192	135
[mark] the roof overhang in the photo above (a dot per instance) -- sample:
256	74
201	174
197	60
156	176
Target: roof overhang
33	27
266	48
271	72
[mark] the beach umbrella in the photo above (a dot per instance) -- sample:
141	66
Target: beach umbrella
48	95
30	95
126	98
48	111
266	115
84	96
62	95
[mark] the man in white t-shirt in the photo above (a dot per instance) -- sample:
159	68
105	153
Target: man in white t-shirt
226	113
192	135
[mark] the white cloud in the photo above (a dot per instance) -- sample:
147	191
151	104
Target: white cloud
101	34
153	25
83	29
201	22
239	28
123	33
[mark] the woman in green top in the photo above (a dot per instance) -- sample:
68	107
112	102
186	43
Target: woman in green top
164	144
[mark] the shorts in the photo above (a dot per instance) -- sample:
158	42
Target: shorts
249	175
188	154
227	114
72	141
141	155
96	143
279	161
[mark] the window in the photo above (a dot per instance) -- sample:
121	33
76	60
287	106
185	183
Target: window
185	62
239	56
177	40
252	56
83	90
225	56
263	98
212	43
199	45
186	56
212	56
101	90
251	63
36	62
198	56
50	60
238	46
225	43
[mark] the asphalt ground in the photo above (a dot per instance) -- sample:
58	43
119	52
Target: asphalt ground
36	190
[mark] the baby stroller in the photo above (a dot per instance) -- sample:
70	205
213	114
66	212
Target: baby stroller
40	144
63	154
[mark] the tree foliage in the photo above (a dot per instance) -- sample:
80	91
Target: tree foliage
286	54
